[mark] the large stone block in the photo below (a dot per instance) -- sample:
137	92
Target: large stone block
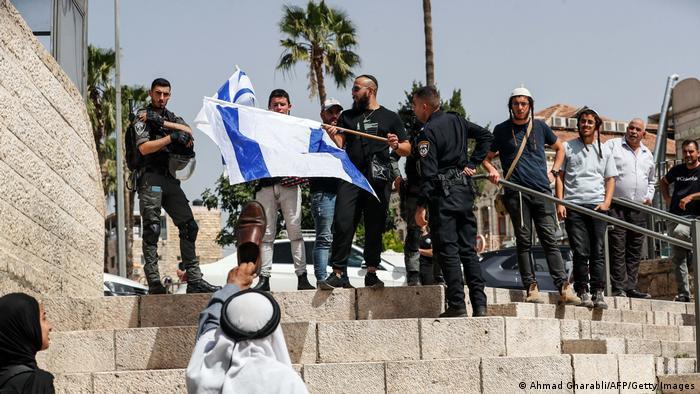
462	337
629	316
604	329
516	309
640	370
368	340
154	348
593	371
613	315
593	346
434	376
172	309
400	302
171	381
570	329
668	306
536	374
301	341
644	346
679	384
685	365
75	383
79	351
686	333
345	378
678	349
525	337
319	305
666	333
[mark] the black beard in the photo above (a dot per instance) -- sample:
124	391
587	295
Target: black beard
362	104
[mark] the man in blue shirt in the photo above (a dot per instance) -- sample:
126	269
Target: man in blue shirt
530	171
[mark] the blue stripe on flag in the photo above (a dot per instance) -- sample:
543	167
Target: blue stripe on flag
223	93
248	154
316	144
241	92
241	74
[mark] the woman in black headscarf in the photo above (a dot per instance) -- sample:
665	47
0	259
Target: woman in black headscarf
24	331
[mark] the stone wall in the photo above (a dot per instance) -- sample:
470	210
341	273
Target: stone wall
658	278
51	199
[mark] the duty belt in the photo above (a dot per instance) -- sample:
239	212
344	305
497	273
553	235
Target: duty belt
450	178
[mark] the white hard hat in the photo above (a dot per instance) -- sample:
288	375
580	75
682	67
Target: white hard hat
330	103
521	91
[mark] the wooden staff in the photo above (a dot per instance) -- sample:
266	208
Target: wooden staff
358	133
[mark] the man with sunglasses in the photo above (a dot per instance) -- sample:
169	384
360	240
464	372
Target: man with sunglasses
635	181
530	171
371	157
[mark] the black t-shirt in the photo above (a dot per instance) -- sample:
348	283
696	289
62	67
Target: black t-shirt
412	175
531	169
685	182
326	185
377	122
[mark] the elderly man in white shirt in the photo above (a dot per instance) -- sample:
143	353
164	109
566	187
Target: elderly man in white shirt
635	181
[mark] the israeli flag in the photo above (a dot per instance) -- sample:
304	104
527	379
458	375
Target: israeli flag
237	89
259	144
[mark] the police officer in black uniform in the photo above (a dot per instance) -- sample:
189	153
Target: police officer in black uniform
160	134
448	192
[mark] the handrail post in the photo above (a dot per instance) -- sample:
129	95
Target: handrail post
695	237
606	245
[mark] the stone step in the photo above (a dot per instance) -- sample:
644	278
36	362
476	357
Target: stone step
679	384
655	347
360	341
69	314
521	309
551	374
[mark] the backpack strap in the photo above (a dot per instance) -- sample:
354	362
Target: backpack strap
12	372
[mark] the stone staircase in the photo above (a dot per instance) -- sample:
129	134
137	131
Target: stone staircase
390	340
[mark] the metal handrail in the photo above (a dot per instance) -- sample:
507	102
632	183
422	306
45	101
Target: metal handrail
599	216
651	210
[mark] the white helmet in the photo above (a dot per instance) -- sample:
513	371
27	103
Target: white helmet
521	91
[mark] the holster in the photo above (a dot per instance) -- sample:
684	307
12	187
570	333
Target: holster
450	178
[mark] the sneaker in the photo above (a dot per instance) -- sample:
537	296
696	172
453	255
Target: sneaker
598	300
533	294
201	286
586	300
413	279
454	312
566	295
157	288
303	283
634	293
333	281
682	298
371	280
263	284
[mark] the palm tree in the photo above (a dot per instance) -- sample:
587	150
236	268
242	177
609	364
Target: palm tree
100	105
428	26
322	36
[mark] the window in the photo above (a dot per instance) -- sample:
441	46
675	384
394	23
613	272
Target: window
163	227
39	16
70	47
502	226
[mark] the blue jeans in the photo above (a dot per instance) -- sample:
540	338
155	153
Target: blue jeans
322	209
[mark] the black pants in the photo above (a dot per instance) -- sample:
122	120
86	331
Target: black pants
351	202
586	237
542	213
453	232
625	248
408	204
158	191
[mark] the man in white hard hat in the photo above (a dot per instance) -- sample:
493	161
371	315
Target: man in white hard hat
520	143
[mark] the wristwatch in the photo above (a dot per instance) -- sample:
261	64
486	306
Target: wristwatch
555	172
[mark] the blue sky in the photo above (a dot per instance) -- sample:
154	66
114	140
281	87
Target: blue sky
614	56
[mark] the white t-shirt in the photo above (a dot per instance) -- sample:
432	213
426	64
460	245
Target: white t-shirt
585	172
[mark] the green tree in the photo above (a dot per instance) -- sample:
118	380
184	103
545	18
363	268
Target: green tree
323	37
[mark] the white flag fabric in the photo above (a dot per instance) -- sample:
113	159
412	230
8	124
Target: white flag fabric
237	89
257	144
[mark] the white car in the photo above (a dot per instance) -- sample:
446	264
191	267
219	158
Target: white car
283	277
118	286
